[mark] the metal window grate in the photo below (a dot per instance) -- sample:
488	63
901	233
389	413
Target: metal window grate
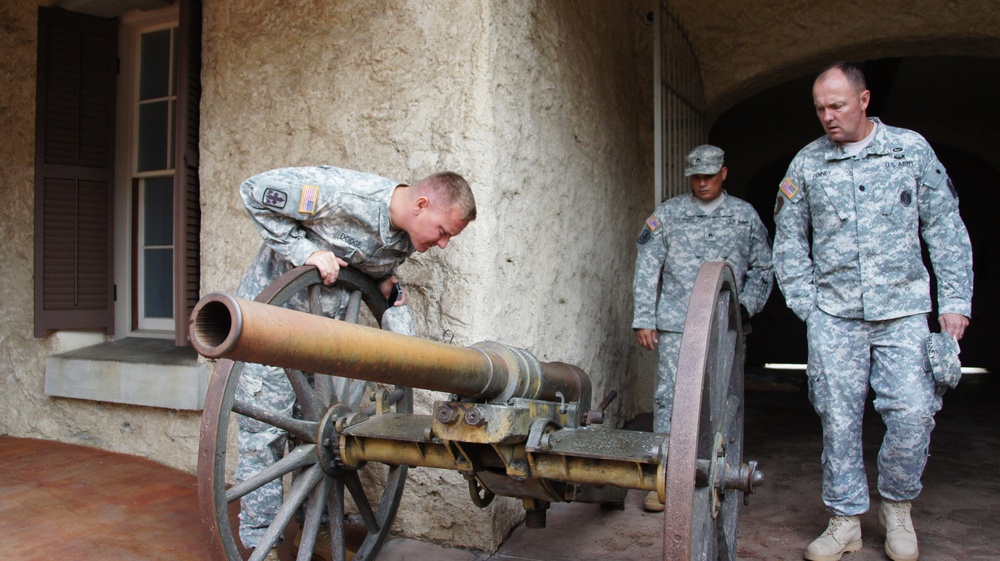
679	103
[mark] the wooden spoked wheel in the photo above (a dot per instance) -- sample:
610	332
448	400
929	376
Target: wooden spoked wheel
314	481
705	477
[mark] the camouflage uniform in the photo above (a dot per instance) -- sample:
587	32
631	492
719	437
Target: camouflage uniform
674	243
299	211
863	290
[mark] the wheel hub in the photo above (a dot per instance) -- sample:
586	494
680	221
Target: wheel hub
328	440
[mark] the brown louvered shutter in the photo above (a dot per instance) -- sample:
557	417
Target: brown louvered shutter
74	171
187	209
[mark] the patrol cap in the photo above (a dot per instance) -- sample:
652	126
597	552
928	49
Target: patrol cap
704	160
942	354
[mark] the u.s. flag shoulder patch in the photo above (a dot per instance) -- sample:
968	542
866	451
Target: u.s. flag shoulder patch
309	199
647	230
788	188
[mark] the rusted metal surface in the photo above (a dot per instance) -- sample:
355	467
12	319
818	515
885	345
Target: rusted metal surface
307	449
705	477
627	459
224	326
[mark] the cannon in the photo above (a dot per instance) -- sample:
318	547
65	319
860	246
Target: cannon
512	425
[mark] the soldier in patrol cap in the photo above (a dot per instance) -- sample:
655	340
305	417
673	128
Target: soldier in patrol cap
331	218
682	234
850	216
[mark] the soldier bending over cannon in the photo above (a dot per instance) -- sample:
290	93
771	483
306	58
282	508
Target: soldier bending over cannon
331	218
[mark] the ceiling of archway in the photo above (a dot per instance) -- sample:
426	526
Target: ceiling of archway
746	47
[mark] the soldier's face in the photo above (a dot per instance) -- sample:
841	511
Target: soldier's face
707	187
841	108
435	225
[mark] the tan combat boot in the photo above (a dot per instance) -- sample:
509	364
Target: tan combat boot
842	535
900	539
652	503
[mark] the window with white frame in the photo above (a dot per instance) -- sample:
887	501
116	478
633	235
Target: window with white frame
144	194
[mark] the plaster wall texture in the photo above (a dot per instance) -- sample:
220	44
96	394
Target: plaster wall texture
388	88
539	106
746	47
166	436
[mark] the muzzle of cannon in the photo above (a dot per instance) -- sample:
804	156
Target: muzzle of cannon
512	426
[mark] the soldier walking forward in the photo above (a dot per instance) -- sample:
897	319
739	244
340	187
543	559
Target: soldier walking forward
682	234
850	216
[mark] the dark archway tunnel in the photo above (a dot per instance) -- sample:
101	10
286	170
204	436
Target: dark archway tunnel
949	100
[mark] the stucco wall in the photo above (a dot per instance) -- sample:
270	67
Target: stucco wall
170	437
547	111
574	184
541	107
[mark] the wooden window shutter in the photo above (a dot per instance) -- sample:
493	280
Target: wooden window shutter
74	171
187	209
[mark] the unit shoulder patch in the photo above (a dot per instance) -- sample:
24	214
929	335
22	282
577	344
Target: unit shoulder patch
274	197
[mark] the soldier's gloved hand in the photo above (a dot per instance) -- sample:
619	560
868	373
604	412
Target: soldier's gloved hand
328	265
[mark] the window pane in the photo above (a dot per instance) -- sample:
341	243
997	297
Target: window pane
153	138
158	294
170	135
177	58
158	211
154	64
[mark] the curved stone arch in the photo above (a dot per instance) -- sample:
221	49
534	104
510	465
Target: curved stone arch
779	72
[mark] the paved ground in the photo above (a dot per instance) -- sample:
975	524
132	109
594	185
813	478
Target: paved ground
60	502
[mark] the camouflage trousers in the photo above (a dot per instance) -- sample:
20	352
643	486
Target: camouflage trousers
846	356
260	444
668	347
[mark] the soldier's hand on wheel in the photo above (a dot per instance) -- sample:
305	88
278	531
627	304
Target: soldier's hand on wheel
328	265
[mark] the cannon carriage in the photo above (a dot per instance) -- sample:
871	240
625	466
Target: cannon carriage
513	426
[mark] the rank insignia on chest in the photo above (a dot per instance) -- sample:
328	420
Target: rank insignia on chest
788	188
275	198
309	200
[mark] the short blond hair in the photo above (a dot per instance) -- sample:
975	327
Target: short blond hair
455	190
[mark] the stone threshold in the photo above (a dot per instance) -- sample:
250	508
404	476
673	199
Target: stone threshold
136	371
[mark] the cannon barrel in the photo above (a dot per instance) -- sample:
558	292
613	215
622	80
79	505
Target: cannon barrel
226	327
